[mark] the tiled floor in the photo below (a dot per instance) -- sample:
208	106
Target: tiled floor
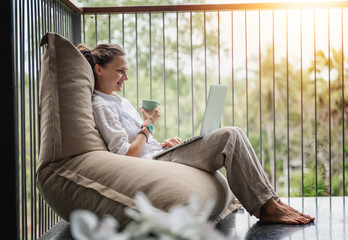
331	222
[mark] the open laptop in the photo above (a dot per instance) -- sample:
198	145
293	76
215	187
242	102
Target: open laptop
212	116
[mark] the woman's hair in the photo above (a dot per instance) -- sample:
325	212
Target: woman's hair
101	54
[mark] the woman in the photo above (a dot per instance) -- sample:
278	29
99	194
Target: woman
125	133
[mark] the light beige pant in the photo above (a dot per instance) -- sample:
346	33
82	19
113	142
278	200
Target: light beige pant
229	148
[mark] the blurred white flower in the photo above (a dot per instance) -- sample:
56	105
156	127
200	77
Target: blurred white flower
181	222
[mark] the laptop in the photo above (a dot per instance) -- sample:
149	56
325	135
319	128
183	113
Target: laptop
212	116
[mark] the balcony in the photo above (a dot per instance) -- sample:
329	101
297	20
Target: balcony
286	67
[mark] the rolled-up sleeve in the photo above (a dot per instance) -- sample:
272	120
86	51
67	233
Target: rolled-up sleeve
109	126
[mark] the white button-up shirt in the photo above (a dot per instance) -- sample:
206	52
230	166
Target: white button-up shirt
119	124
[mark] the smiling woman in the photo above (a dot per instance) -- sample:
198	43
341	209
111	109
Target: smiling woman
119	123
119	126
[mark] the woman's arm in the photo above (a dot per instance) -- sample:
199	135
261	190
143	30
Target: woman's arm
138	145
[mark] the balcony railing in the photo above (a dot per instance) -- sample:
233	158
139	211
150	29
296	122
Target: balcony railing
285	64
31	20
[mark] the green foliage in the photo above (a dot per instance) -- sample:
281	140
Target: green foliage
323	186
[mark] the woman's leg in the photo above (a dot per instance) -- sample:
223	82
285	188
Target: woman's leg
277	199
227	148
230	148
257	161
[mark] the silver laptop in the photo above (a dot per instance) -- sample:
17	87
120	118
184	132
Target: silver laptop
212	116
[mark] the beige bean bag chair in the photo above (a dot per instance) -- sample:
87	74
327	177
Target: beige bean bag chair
75	169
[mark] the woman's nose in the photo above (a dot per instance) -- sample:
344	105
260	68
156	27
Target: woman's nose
125	76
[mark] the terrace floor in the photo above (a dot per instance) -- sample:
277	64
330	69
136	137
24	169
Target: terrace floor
331	222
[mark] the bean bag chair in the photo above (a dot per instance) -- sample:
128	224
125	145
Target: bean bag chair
75	169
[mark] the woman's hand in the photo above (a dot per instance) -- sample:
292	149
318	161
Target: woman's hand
151	116
171	142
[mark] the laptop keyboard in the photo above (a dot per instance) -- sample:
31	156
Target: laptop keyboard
190	140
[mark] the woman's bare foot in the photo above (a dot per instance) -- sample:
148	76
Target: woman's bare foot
294	210
273	212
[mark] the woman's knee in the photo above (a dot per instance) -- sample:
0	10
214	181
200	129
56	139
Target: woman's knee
239	130
234	130
228	132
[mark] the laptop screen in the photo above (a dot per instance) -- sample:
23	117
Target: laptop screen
213	110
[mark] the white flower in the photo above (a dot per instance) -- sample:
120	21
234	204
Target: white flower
84	224
181	222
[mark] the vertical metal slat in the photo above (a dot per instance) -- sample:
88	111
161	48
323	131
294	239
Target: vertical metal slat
246	72
219	48
16	20
164	76
150	54
315	109
96	28
32	116
273	104
287	104
125	85
192	92
109	27
260	92
343	106
84	27
329	76
136	58
302	160
232	63
205	58
177	73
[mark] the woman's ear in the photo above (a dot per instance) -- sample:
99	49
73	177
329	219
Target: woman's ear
98	70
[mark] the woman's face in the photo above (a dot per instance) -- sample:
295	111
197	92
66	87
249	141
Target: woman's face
111	76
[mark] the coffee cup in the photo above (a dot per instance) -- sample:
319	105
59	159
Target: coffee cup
149	104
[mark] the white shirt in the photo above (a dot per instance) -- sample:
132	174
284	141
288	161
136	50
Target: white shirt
119	124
